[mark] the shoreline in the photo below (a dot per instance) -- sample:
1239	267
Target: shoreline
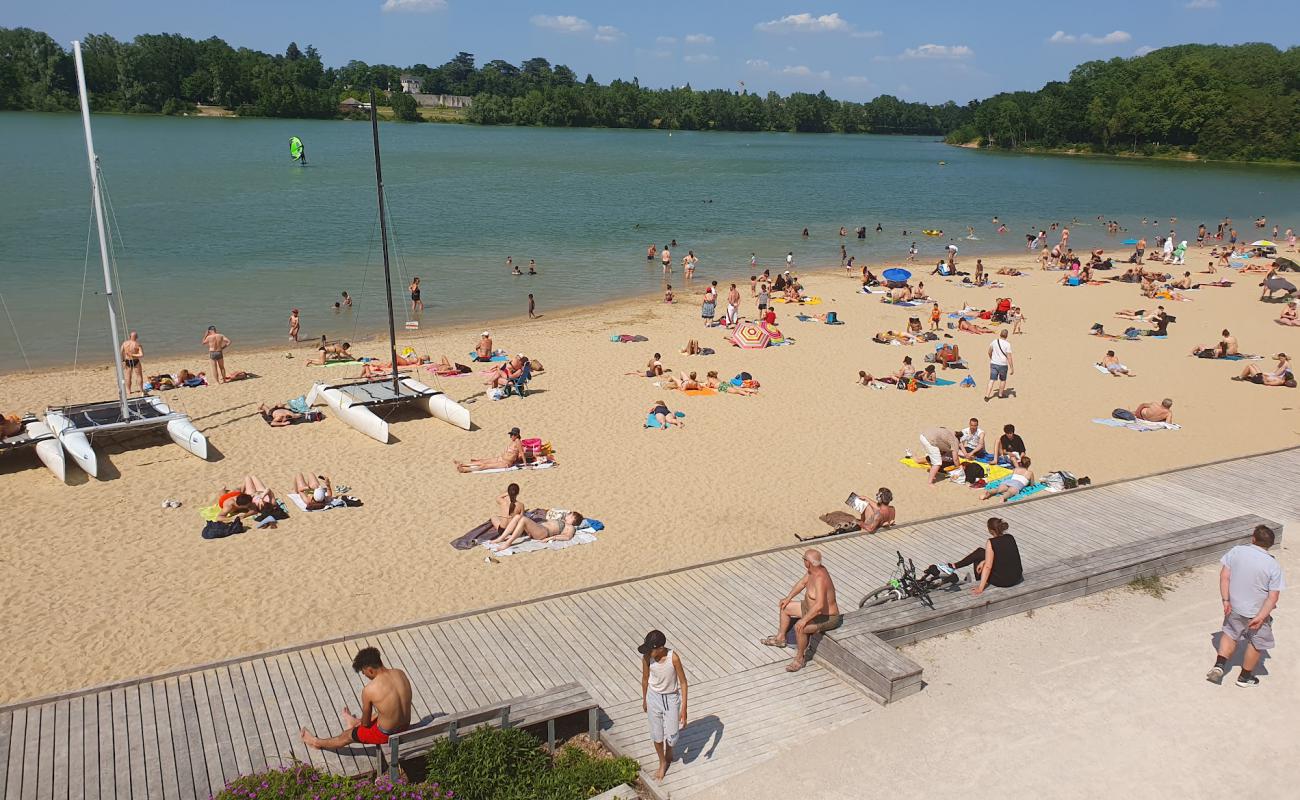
1183	157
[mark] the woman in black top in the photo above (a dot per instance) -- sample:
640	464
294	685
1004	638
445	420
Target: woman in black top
998	561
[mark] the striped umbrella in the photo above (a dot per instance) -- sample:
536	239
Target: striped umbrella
750	336
774	335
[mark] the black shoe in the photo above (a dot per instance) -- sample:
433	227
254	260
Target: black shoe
1246	682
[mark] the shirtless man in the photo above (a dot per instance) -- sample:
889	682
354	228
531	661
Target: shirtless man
132	352
1156	412
217	344
1110	362
483	350
816	613
514	454
875	514
385	706
733	305
1184	282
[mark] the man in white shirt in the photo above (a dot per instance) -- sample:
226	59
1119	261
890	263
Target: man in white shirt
1250	583
1000	365
972	440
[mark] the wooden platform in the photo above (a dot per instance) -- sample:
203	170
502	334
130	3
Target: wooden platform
185	734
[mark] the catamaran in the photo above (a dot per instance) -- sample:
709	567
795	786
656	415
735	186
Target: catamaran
37	435
356	402
75	425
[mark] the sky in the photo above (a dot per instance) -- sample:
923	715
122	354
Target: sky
926	50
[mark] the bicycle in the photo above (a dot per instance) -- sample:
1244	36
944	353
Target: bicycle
907	584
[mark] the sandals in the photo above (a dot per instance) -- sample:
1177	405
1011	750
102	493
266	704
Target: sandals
773	641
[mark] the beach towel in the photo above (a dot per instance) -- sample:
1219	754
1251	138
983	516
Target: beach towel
1137	425
515	468
807	301
1032	489
901	303
495	357
940	382
1242	357
297	499
702	392
586	534
652	422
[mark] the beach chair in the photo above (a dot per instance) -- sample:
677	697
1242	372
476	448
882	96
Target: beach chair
519	385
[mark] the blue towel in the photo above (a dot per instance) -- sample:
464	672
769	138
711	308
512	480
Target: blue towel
1032	489
474	357
591	525
942	382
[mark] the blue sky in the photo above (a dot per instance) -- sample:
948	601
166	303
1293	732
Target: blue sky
929	51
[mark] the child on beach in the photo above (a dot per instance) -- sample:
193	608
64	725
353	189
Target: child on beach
293	325
668	293
934	317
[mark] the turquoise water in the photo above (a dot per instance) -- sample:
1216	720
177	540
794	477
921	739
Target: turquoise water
218	226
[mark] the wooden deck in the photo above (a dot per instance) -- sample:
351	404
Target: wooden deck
185	734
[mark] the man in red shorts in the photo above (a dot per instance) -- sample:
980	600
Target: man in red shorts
385	706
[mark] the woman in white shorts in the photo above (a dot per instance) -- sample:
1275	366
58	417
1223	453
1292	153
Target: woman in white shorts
663	695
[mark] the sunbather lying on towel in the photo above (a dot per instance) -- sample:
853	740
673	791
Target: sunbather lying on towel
445	366
967	326
514	454
278	415
551	530
1020	478
378	369
665	417
685	384
727	387
330	352
253	497
1281	376
1110	362
1156	412
885	337
316	490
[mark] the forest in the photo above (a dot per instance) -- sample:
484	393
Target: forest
1239	102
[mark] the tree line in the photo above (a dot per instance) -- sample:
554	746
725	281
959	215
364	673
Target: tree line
1226	102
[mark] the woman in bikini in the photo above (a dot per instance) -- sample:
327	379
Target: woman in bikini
665	417
685	384
1289	315
966	325
278	416
316	491
1015	482
509	506
252	497
552	530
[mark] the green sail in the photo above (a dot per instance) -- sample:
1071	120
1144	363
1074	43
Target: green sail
295	147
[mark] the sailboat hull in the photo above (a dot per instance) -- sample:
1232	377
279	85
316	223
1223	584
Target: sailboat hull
440	406
74	442
182	431
358	416
49	451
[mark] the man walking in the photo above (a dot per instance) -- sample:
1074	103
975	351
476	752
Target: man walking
1250	582
816	613
1000	365
385	706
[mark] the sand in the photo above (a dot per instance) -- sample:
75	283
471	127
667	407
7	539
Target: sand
1100	697
102	583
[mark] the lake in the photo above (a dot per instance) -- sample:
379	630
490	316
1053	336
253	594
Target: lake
218	226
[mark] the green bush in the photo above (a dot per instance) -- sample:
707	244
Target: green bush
509	764
304	782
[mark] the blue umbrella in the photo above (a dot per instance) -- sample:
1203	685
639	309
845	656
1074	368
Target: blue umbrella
1129	241
896	275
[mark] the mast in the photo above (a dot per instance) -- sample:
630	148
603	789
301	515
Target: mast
103	235
383	235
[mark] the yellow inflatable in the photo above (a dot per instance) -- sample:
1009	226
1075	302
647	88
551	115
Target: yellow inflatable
933	233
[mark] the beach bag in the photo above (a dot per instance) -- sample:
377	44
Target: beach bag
214	529
532	448
1124	414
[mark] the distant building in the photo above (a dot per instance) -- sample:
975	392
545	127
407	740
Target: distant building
410	83
353	104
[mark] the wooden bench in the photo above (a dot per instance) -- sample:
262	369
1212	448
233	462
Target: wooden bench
863	647
528	712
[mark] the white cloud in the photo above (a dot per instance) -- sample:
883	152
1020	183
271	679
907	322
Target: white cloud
938	51
1202	4
608	33
413	6
861	80
1143	50
1114	37
564	23
665	40
801	71
700	58
806	23
757	63
699	38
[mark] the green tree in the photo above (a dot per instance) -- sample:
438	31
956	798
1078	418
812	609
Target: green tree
404	106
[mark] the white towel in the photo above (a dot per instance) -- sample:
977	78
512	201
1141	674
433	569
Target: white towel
533	545
515	468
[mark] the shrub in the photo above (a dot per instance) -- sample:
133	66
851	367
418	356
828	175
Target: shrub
509	764
304	782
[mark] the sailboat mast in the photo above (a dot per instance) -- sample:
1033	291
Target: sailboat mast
383	236
103	235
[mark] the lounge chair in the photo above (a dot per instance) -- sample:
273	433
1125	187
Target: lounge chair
520	385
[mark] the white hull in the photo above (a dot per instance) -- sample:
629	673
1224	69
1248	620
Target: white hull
50	452
358	416
76	443
183	432
440	406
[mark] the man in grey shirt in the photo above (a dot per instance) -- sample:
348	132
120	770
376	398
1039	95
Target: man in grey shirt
1249	583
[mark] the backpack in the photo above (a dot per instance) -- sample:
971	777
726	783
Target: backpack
214	529
1124	414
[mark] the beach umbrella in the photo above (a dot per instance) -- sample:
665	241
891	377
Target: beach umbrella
750	336
896	275
774	335
1263	243
1129	241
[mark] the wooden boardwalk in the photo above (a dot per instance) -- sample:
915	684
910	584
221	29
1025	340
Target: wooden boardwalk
185	734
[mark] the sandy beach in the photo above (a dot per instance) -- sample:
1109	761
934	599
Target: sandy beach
102	583
1096	697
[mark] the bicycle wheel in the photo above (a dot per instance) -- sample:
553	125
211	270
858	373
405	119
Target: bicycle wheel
880	596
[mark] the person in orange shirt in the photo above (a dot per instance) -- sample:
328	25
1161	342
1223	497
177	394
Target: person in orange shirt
934	317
